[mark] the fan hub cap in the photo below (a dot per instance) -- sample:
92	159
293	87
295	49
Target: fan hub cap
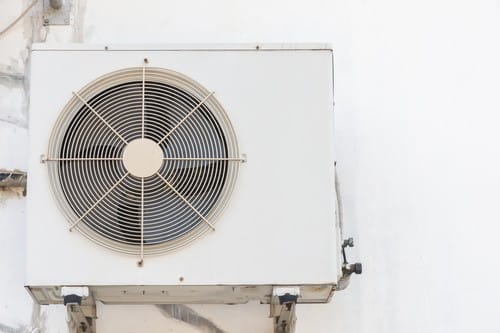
142	157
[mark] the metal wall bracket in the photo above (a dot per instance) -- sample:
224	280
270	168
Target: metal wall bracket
52	15
80	318
283	304
13	179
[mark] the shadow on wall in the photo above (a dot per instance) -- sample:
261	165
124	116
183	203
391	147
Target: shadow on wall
187	315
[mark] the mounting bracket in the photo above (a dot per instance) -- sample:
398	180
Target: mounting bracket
283	304
56	12
80	318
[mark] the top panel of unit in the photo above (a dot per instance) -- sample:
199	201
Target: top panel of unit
182	47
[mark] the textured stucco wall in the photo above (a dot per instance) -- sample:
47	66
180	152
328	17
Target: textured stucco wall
417	86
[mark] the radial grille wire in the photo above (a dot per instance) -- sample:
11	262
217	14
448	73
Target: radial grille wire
160	212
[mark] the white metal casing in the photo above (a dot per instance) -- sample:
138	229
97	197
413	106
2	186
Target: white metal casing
279	227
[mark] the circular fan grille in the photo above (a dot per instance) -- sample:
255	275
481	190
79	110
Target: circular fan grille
143	161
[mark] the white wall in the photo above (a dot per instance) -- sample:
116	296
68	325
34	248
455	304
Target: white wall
417	104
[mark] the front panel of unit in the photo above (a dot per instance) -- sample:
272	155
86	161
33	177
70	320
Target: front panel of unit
278	224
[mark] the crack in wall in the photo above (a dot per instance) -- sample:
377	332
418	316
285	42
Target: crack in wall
189	316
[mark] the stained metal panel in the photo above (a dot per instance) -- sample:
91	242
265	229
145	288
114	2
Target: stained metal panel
279	226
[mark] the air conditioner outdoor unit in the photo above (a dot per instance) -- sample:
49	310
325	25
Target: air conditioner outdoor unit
182	174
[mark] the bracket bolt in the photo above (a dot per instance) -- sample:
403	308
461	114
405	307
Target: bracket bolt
56	4
348	242
356	268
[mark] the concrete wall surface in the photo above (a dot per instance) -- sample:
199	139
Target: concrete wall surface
417	86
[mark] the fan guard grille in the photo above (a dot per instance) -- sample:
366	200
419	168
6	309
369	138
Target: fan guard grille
160	204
